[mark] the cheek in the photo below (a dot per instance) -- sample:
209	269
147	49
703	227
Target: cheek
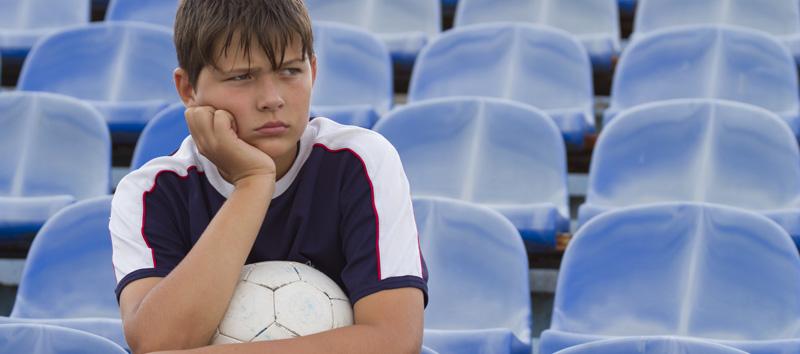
300	93
222	99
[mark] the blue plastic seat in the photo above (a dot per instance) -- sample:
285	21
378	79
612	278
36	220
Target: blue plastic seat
426	350
354	76
701	270
494	152
779	18
651	345
541	66
124	69
68	278
54	150
46	339
23	22
404	26
157	12
712	151
729	63
107	328
480	300
594	22
76	239
162	136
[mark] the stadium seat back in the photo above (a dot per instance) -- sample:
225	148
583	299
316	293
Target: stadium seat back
68	272
354	72
23	22
488	151
405	26
20	15
702	270
124	69
707	62
426	350
48	339
594	22
52	145
157	12
104	62
481	268
651	345
162	136
779	18
544	67
696	150
380	16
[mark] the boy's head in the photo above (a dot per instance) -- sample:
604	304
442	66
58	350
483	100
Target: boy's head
207	29
254	59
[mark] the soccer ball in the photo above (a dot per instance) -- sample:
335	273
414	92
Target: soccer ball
277	300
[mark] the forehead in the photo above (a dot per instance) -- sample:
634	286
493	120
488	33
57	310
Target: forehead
254	55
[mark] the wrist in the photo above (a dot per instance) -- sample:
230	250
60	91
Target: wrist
256	182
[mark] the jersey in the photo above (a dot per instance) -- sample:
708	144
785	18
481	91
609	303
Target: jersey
344	207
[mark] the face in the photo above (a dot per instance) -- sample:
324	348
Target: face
270	106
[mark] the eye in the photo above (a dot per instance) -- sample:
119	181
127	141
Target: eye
242	77
290	71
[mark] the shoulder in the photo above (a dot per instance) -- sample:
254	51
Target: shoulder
184	164
368	146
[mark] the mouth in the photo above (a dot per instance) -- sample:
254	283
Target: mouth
273	128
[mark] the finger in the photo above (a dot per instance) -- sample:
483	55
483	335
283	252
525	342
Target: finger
194	119
224	124
199	120
235	126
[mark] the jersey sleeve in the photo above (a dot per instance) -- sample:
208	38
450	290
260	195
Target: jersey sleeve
380	240
145	231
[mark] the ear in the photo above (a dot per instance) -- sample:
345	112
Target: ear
184	87
313	63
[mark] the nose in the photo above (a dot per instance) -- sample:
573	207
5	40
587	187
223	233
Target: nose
270	99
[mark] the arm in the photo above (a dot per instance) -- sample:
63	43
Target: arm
183	309
389	321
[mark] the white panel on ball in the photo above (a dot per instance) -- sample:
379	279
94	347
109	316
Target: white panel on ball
303	309
277	300
249	303
275	274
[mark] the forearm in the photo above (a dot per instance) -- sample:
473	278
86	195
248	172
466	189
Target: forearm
351	340
184	309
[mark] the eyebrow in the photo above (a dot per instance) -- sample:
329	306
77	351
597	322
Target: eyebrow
293	61
255	70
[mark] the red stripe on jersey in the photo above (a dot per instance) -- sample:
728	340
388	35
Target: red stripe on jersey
144	204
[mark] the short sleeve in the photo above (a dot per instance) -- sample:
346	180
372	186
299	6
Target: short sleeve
144	226
380	240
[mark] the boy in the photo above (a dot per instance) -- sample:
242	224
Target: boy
257	181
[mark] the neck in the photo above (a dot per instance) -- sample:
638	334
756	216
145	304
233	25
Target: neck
282	165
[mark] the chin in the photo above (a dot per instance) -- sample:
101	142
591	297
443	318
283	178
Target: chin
276	149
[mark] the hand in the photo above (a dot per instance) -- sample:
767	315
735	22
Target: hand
214	133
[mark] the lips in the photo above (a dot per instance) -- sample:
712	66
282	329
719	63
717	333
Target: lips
273	128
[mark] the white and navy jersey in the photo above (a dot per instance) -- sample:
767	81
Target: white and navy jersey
344	207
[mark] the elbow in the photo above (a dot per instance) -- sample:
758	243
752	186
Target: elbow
414	348
139	345
150	346
407	349
412	344
134	341
142	341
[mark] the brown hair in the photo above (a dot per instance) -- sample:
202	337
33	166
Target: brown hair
203	26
